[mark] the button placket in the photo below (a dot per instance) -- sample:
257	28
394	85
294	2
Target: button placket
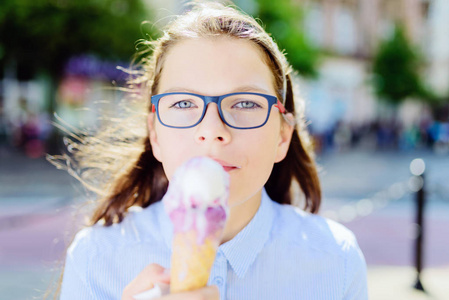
218	280
218	274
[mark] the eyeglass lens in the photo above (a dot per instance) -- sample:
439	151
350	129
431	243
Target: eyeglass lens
241	110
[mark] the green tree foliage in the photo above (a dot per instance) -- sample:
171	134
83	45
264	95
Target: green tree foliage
284	20
44	34
396	70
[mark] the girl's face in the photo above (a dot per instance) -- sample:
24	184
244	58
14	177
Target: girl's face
212	67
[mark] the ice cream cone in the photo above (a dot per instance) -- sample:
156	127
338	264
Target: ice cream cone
191	262
196	202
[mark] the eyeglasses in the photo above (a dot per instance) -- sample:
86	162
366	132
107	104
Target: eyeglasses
237	110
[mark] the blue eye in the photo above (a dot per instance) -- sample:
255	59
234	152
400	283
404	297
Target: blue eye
246	105
183	104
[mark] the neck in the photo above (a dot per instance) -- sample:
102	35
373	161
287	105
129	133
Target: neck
240	215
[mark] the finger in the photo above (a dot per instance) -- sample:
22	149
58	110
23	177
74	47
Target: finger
156	273
146	279
207	293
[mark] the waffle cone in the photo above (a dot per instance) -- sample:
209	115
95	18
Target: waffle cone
191	261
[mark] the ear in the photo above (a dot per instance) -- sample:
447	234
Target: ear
152	135
287	127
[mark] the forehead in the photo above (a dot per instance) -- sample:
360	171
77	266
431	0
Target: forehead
215	65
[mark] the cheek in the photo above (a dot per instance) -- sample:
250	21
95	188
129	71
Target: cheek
257	152
259	146
269	137
175	149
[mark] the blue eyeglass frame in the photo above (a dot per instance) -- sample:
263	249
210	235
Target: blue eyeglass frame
272	100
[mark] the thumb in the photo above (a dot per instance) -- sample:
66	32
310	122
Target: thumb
146	279
206	293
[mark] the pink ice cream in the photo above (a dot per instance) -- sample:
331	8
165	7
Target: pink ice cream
197	198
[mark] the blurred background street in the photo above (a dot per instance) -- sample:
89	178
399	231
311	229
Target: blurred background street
375	76
39	204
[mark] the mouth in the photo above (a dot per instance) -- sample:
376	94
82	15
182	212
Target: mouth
228	167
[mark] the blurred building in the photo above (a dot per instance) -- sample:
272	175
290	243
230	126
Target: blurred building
437	41
349	32
354	27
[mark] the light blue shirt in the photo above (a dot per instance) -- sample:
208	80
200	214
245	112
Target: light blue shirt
283	253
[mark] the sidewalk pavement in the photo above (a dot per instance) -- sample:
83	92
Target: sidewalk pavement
395	283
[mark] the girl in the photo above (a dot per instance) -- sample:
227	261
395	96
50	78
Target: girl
270	249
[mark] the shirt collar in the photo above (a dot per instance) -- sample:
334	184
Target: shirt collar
243	249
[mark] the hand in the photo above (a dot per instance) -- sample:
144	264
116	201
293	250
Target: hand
146	279
155	273
206	293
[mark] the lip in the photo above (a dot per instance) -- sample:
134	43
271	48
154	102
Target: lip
228	167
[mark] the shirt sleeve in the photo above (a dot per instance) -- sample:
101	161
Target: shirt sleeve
75	284
356	286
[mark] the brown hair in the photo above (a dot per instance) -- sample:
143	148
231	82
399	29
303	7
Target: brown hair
131	174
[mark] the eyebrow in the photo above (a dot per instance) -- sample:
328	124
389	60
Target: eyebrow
245	88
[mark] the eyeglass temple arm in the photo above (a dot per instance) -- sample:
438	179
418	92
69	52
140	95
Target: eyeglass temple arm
281	107
283	111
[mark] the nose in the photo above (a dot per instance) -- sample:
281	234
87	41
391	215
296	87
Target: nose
212	128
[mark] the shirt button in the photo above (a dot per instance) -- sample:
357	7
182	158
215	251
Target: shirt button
220	258
218	281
